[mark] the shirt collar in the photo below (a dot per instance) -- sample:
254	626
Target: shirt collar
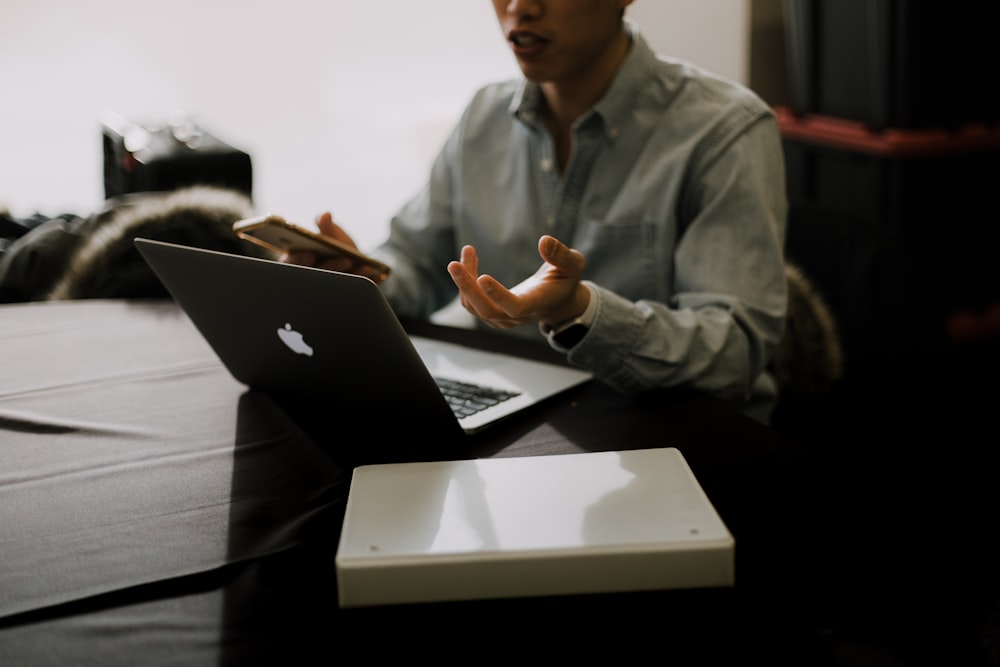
617	103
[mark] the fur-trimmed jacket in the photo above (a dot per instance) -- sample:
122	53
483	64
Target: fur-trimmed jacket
73	257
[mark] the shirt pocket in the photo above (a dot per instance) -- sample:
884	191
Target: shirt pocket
626	256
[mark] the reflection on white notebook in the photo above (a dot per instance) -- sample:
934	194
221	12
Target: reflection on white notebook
529	526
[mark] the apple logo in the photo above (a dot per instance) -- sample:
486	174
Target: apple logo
293	339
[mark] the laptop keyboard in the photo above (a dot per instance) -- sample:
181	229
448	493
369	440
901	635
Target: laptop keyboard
467	399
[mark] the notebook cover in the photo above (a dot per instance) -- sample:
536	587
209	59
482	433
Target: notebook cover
529	526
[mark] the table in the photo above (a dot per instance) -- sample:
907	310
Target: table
153	510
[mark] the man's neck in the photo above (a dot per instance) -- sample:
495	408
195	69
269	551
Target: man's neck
569	99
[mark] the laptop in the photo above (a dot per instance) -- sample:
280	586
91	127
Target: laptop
311	336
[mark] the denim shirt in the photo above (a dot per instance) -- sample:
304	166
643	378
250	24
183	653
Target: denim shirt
674	193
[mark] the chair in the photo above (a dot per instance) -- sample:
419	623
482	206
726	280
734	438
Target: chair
809	359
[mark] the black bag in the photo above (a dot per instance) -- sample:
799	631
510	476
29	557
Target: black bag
11	228
166	156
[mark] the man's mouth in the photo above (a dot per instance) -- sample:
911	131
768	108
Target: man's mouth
525	41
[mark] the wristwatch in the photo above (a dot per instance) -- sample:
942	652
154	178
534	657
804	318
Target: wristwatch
569	334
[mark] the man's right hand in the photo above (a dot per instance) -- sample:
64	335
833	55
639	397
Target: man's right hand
341	263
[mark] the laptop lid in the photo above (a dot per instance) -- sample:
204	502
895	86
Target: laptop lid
332	337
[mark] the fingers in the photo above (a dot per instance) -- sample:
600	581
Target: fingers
470	260
503	302
328	262
553	293
324	221
472	295
327	227
565	259
370	272
465	272
343	264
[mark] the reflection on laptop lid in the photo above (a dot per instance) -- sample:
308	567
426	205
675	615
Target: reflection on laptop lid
333	338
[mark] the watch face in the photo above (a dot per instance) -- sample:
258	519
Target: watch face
570	336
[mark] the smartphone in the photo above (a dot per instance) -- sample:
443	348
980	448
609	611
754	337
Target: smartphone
280	236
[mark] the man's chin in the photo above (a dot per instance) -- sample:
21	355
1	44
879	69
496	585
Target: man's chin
535	72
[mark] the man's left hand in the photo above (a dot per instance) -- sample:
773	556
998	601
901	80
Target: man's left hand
554	294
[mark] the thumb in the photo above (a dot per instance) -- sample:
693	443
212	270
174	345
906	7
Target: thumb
558	254
328	227
324	221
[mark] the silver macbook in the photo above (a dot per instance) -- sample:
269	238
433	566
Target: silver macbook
332	338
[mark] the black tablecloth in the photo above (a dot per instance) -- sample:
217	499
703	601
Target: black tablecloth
130	456
155	511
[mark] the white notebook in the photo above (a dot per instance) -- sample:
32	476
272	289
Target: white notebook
529	526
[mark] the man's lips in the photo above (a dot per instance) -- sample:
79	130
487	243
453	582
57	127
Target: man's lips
526	43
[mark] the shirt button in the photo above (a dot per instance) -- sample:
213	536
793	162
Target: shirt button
613	132
550	221
545	164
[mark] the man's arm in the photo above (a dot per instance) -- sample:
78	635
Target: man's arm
718	329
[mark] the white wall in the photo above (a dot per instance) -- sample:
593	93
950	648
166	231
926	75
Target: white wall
340	104
711	33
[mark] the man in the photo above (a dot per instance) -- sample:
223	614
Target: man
652	192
